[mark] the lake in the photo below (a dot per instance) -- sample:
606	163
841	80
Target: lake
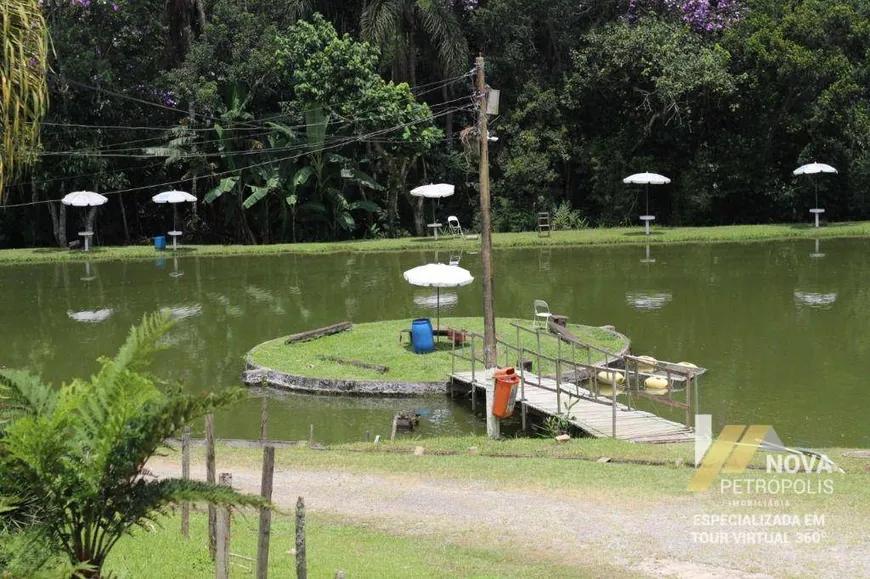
784	327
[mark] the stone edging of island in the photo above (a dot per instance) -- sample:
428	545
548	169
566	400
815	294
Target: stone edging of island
256	375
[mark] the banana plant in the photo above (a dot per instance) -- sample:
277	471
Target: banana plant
229	148
312	188
332	172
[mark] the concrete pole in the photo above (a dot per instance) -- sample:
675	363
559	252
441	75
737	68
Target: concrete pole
489	347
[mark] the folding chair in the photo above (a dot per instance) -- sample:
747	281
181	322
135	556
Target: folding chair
542	315
453	227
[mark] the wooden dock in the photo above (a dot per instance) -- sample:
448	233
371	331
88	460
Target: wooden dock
591	414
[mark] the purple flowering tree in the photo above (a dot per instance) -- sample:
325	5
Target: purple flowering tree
700	15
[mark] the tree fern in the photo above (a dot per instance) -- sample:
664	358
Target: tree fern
72	464
23	394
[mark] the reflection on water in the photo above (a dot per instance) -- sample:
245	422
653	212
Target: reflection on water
88	275
175	272
648	300
813	290
815	299
447	300
647	259
774	325
92	317
183	312
817	253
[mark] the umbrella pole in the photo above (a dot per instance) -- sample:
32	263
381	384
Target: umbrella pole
438	309
174	226
647	198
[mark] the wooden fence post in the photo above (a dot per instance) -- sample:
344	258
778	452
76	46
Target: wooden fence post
265	513
301	568
310	434
210	478
222	545
394	426
185	475
264	418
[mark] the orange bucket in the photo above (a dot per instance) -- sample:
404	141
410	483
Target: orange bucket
506	383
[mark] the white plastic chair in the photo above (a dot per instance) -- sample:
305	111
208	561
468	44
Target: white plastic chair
542	315
453	226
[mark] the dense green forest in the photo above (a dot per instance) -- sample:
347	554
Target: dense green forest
302	120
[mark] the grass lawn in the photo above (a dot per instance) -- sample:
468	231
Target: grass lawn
598	236
160	551
378	343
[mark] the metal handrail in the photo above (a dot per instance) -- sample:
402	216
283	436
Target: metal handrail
594	392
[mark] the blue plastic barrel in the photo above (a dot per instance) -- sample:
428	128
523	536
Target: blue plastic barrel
160	242
421	336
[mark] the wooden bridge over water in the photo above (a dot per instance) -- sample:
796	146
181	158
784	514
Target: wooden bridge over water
580	399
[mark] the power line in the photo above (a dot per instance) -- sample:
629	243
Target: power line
360	138
111	152
252	125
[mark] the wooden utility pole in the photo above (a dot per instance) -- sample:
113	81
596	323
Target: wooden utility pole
489	352
489	349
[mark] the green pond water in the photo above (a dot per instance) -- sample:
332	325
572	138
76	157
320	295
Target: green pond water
783	330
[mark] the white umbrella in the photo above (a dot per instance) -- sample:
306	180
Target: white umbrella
174	198
92	317
438	275
84	199
433	191
813	169
647	179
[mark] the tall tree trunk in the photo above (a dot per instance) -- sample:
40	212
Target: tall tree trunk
89	222
448	118
192	115
265	236
58	223
124	218
419	217
246	228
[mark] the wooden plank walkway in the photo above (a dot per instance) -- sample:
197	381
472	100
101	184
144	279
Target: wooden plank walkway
591	415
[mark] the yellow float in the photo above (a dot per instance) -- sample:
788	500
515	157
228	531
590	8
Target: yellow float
655	383
686	364
611	377
646	364
656	391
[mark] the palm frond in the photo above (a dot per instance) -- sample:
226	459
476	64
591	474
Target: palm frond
23	87
381	20
445	34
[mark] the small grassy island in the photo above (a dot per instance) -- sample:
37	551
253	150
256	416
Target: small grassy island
378	344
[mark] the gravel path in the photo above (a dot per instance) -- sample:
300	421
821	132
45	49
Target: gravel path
651	539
